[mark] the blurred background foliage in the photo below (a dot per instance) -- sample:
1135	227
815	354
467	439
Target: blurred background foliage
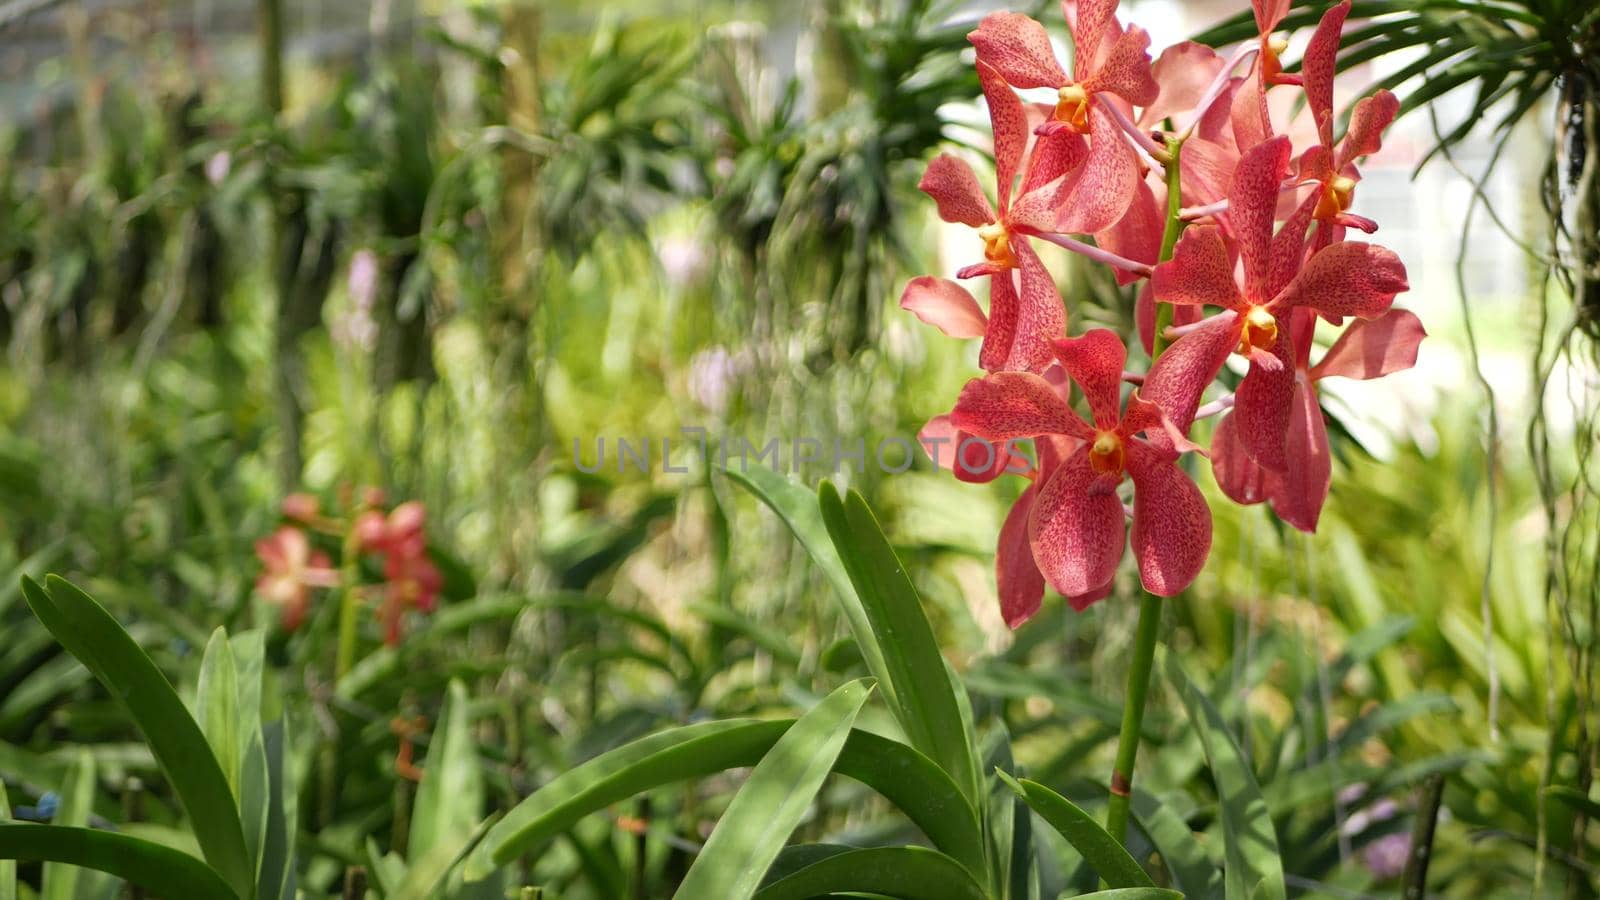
444	251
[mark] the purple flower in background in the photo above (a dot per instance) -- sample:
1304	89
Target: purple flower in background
355	328
1386	857
711	376
363	281
682	259
217	167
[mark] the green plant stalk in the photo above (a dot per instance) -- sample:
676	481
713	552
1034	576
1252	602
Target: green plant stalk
1144	643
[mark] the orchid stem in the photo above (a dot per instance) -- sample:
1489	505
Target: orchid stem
1144	651
1144	642
1154	153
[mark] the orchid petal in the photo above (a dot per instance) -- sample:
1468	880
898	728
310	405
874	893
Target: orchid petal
1373	348
1171	523
1240	478
1184	370
1182	72
1001	331
1009	405
1019	49
1081	602
1207	171
1142	415
1017	578
1126	70
945	305
1252	207
1268	14
1095	362
1009	125
1099	192
1303	486
954	186
1137	235
1349	278
1288	249
1144	314
1200	272
1318	64
1077	534
966	456
1367	122
1094	19
1248	114
1041	314
1261	406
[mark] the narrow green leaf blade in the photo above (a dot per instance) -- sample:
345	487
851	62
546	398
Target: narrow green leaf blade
91	634
772	801
1192	869
1110	861
8	867
1253	869
60	880
160	870
905	873
216	706
450	797
927	703
797	507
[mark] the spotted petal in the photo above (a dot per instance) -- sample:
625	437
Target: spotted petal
1009	124
1184	370
1200	272
1017	578
1367	122
1099	192
1303	486
945	305
954	187
968	457
1237	474
1019	49
1137	235
1171	523
1077	534
1349	278
1009	405
1095	361
1262	404
1317	64
1252	207
1001	333
1126	71
1182	72
1041	314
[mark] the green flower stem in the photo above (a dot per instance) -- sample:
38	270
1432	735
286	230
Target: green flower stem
1144	643
1144	650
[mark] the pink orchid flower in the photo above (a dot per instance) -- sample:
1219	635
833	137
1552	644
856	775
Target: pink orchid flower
1366	350
1032	316
1344	278
1110	75
1075	520
1330	166
290	568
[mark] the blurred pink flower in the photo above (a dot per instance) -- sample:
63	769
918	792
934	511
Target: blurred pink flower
290	568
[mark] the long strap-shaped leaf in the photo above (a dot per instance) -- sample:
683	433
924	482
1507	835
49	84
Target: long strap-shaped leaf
905	873
160	870
8	867
928	709
1110	861
772	801
104	647
1253	870
797	507
904	777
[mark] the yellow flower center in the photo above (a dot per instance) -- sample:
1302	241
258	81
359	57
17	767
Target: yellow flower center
1105	454
997	245
1073	108
1272	47
1260	331
1336	196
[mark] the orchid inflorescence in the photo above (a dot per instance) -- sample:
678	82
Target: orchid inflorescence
292	567
1247	259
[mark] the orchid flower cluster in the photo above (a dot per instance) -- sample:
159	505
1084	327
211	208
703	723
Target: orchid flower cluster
1175	175
395	540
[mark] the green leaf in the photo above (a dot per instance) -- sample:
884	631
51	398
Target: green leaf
772	801
797	507
1110	861
927	703
427	873
1136	893
1575	799
450	798
910	781
160	870
8	867
905	873
216	706
1192	869
275	864
1254	870
104	647
60	881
